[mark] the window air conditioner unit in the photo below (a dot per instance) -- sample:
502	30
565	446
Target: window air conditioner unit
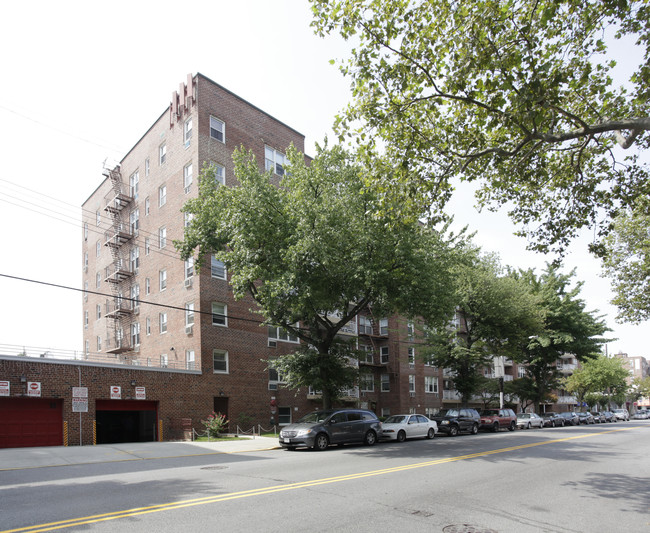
412	394
189	329
188	282
273	386
272	343
136	310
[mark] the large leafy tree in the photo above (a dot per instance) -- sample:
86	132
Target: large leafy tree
568	329
312	253
601	375
516	95
495	313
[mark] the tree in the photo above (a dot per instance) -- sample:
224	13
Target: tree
600	375
495	311
514	95
568	329
312	253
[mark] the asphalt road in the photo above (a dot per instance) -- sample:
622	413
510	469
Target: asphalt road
578	479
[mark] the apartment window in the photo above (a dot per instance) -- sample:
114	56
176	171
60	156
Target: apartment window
147	246
85	319
275	376
98	311
411	383
366	382
521	371
284	415
85	261
410	330
187	177
219	314
189	359
135	295
187	132
368	354
365	325
135	259
134	221
99	344
85	291
383	326
187	219
162	237
274	160
162	278
164	361
134	184
385	383
162	153
135	334
85	231
163	322
147	167
147	206
217	129
147	286
430	384
189	267
147	326
411	356
219	173
98	280
280	334
87	347
217	268
189	313
162	195
98	217
383	355
220	361
98	248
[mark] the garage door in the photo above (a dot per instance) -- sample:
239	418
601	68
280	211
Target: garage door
30	422
125	421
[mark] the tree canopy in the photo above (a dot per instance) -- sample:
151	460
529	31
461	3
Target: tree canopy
313	252
516	95
602	376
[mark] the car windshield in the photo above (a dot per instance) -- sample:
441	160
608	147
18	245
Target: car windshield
491	412
449	412
523	415
396	419
566	415
317	416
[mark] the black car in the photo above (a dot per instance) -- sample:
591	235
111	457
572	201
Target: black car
453	421
552	420
570	418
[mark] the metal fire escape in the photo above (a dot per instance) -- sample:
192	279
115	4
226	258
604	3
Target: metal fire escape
119	273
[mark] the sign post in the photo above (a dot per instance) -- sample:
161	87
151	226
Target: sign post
80	404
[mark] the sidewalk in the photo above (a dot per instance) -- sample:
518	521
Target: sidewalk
19	458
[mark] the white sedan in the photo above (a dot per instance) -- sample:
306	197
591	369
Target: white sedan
529	420
402	427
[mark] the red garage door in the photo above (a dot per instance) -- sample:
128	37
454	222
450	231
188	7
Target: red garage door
30	422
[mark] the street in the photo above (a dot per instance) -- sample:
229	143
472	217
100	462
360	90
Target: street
576	479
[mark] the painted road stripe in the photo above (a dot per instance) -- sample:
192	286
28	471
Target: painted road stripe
138	511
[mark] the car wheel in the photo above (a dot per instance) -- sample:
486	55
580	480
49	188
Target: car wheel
495	427
528	425
321	442
371	437
401	436
290	448
474	429
453	431
431	433
552	423
512	426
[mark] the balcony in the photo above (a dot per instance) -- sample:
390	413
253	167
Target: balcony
119	309
451	395
117	274
566	400
567	368
117	237
115	203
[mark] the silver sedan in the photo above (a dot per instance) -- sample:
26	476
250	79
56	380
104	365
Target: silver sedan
529	420
402	427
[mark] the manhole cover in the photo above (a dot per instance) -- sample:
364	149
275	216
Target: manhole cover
214	468
466	528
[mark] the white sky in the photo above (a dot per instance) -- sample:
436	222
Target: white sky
81	82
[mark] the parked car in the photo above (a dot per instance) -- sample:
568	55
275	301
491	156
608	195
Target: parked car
570	418
335	426
599	418
402	427
495	419
641	415
609	416
552	420
586	417
529	420
622	414
453	421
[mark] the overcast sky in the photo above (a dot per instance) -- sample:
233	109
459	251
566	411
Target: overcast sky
83	81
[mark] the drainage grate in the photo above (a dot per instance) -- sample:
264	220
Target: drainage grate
214	468
466	528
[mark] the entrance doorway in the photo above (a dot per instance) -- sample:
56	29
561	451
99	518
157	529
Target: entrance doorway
31	422
221	406
126	421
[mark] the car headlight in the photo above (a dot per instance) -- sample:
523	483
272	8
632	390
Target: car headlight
445	422
389	431
303	432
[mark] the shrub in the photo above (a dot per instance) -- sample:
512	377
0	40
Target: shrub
215	424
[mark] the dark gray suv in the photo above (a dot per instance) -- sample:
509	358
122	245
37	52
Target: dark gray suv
337	426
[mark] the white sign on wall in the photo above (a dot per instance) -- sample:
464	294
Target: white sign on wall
79	399
4	388
34	389
116	392
140	393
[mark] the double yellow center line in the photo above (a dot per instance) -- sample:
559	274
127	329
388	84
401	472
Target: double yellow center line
52	526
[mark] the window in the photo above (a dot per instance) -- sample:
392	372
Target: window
85	291
163	322
411	383
410	330
98	280
148	326
279	334
219	314
219	173
85	261
147	286
87	347
85	231
274	161
189	359
99	344
135	295
189	267
385	383
366	382
220	361
365	325
187	177
411	355
217	268
368	354
134	221
274	376
187	219
162	153
135	334
147	206
162	237
189	314
164	361
147	246
187	132
98	248
162	278
383	355
217	129
135	259
85	319
383	326
284	415
430	384
134	184
98	217
98	311
162	195
521	371
147	167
